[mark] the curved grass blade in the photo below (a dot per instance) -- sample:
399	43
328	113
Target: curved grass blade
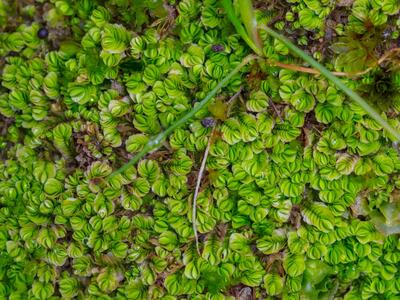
250	22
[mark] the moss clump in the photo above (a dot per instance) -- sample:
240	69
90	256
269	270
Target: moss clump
300	190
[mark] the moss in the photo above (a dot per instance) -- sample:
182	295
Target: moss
299	192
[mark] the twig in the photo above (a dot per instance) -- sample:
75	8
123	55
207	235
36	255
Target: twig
297	68
234	97
231	101
387	54
196	191
201	171
275	109
303	69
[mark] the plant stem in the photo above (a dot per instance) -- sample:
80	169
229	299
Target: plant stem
305	69
324	71
156	141
302	69
196	191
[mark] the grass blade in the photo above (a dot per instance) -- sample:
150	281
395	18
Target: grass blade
250	22
156	141
227	4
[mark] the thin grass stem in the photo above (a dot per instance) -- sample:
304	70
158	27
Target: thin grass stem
156	141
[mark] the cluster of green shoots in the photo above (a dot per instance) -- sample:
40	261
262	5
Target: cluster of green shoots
189	150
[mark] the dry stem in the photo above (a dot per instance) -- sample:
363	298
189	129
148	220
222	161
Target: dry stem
342	74
196	191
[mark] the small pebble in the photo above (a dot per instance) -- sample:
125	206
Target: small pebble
218	48
43	33
12	53
387	34
208	122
